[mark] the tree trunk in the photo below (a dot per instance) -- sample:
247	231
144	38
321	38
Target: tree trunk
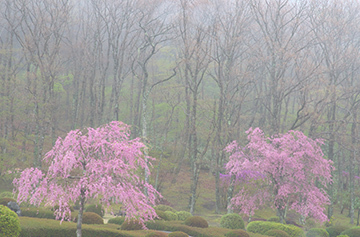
230	194
81	211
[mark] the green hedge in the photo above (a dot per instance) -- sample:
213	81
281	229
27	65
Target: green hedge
9	222
37	212
317	232
36	227
352	232
335	230
261	227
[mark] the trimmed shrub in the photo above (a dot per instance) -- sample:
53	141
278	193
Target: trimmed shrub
131	225
164	208
317	232
352	232
183	215
276	233
6	194
274	219
4	201
261	227
117	220
170	216
161	215
178	234
232	221
310	223
95	208
38	213
335	230
237	233
91	218
196	221
342	236
9	222
156	234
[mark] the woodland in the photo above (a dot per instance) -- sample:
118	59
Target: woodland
188	76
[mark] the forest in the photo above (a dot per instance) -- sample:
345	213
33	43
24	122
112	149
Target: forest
188	76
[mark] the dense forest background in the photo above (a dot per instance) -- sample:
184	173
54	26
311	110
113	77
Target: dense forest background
188	76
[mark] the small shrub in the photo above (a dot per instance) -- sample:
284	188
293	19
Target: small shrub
335	230
117	220
91	218
342	236
37	212
95	208
196	221
261	227
178	234
237	233
183	215
6	194
9	222
156	234
276	233
164	208
161	215
274	219
352	232
310	223
131	225
317	232
232	221
170	216
4	201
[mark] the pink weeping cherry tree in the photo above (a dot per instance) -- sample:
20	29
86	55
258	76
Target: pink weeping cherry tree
101	164
289	171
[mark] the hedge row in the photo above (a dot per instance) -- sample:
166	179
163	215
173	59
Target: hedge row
261	227
36	227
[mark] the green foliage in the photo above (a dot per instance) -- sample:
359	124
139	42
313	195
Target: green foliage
164	208
171	216
95	208
9	222
317	232
54	208
37	212
335	230
261	227
117	220
131	225
232	221
196	221
343	236
4	201
183	215
352	232
274	219
310	223
156	234
91	218
178	234
237	233
6	194
34	227
330	222
161	215
276	233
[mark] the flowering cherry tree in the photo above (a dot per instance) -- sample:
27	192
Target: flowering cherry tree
101	164
281	170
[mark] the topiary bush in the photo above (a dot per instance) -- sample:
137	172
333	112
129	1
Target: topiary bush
4	201
164	208
237	233
352	232
156	234
261	227
161	215
276	233
232	221
117	220
178	234
274	219
317	232
196	221
183	215
91	218
132	225
335	230
9	222
95	208
170	216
